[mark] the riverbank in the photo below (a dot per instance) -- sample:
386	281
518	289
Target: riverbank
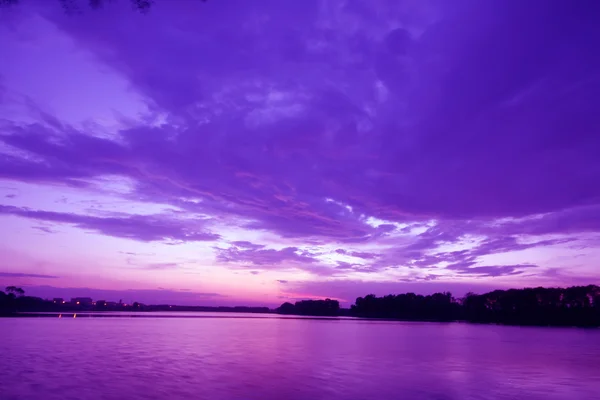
575	306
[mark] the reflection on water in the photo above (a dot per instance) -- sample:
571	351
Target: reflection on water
167	314
258	357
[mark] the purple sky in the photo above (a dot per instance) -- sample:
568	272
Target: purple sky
252	152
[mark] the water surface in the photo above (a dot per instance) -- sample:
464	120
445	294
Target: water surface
266	357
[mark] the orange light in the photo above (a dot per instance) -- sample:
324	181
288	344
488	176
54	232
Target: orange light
77	302
74	315
64	302
59	315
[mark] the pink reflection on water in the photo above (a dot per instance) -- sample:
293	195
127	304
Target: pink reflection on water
274	358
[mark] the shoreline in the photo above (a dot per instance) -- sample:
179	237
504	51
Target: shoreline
178	314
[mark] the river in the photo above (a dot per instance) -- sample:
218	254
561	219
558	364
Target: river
265	357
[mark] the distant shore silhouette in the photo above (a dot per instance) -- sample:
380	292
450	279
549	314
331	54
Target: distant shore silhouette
573	306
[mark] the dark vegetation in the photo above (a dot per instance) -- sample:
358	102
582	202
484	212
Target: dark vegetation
574	306
14	301
321	308
409	307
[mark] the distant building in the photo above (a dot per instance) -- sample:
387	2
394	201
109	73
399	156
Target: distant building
82	301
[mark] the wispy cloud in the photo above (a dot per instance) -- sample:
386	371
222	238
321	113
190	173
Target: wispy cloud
26	275
137	227
44	229
161	266
263	257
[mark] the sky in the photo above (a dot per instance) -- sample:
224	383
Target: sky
238	152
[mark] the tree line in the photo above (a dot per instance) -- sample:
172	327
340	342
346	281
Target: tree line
14	299
319	308
573	306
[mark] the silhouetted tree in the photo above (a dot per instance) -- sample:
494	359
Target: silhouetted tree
16	291
574	306
286	308
409	306
325	307
6	303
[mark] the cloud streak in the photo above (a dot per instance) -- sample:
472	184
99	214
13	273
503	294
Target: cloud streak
489	270
266	258
26	275
145	228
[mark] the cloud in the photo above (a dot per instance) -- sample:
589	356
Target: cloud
247	245
570	221
506	244
268	258
345	265
358	254
161	266
267	205
285	259
489	271
463	147
145	228
25	275
430	251
364	255
44	229
420	278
